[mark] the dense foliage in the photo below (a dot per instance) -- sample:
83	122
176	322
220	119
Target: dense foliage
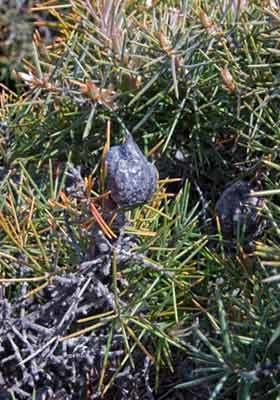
156	300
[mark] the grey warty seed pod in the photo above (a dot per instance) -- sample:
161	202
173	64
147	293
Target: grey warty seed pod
236	207
131	178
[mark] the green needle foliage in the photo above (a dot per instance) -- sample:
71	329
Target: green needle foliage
197	84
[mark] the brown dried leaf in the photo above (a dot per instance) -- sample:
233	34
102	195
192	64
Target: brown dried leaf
99	95
228	79
211	27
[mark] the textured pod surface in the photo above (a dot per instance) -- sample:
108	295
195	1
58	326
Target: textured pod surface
237	210
132	179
